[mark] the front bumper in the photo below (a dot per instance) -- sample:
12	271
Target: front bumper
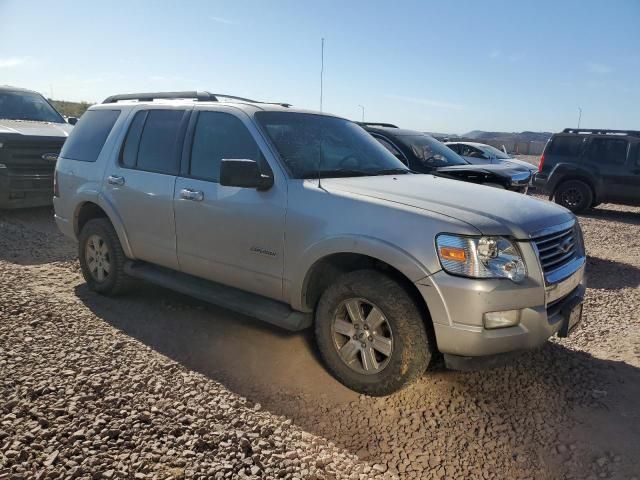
22	192
540	181
457	306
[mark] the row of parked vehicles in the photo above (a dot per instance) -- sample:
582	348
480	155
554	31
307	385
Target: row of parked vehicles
304	219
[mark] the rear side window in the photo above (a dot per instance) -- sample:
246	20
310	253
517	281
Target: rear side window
152	141
567	146
608	150
219	135
88	136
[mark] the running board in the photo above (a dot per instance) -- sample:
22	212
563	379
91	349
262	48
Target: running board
246	303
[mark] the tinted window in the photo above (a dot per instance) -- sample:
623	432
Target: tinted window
130	149
157	151
568	146
88	136
389	146
608	150
312	144
455	147
219	135
430	152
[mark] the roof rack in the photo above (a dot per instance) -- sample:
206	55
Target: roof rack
600	131
377	124
199	96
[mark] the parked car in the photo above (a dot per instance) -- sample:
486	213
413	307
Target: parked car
31	135
303	219
583	168
482	154
424	154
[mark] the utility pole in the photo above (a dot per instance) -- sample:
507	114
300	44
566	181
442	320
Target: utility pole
579	116
362	107
321	70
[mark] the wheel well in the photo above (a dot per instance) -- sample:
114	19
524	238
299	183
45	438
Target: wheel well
578	178
325	271
88	211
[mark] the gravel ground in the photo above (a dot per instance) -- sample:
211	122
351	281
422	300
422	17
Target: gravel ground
158	385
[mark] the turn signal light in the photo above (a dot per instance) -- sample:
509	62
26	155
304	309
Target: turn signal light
454	254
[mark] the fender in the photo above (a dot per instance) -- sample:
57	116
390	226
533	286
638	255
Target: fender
373	247
115	219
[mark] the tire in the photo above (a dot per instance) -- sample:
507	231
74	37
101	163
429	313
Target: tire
574	195
400	331
99	236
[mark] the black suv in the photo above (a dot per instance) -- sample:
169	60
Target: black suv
424	154
582	168
31	135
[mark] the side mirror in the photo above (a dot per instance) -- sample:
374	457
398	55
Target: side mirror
72	120
244	173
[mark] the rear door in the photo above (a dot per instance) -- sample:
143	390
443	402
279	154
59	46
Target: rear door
140	183
609	156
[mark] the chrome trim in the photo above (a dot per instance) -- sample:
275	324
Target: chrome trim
561	288
565	271
554	229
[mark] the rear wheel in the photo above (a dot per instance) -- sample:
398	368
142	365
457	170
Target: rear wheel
102	258
574	195
371	334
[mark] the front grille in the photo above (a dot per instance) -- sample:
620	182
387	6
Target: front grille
557	249
27	170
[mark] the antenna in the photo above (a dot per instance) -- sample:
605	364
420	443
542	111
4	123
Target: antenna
579	115
321	69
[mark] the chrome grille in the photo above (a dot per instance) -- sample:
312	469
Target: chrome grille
557	249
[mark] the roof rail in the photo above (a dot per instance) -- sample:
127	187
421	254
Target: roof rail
377	124
199	96
601	131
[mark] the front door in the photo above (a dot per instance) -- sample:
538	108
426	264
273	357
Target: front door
609	156
230	235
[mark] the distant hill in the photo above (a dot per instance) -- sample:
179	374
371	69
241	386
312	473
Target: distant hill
482	136
70	109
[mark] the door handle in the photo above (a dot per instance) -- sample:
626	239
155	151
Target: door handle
115	180
194	195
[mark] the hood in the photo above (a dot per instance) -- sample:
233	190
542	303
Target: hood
502	169
492	211
35	129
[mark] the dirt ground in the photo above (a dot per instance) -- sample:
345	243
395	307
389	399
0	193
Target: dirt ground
158	385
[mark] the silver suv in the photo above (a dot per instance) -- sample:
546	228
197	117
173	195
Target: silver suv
303	219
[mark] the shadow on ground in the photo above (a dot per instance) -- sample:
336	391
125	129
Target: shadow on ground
611	275
603	213
524	407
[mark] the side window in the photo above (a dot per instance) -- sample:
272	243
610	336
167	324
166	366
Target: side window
129	154
608	150
88	136
455	147
567	146
157	151
219	135
389	146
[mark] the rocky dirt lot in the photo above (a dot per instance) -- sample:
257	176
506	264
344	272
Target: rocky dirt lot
158	385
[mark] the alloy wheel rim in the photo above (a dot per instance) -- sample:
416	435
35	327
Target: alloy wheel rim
98	258
571	197
362	336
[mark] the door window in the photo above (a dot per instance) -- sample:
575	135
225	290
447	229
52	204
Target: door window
219	135
469	151
608	150
567	146
152	141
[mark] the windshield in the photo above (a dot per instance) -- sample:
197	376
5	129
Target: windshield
431	153
312	144
495	153
27	106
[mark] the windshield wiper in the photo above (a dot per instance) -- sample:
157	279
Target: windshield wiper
391	171
340	172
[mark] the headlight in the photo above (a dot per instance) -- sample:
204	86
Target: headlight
480	257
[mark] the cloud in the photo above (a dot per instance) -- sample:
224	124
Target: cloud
427	102
13	62
599	68
494	54
226	21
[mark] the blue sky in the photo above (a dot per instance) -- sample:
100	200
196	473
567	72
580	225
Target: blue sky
435	66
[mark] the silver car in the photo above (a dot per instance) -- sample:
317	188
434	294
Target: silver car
302	219
483	154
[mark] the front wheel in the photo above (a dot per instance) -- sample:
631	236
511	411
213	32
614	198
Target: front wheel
371	334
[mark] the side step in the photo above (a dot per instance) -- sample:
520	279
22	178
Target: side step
250	304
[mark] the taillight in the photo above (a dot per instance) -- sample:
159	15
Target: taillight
56	191
541	164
